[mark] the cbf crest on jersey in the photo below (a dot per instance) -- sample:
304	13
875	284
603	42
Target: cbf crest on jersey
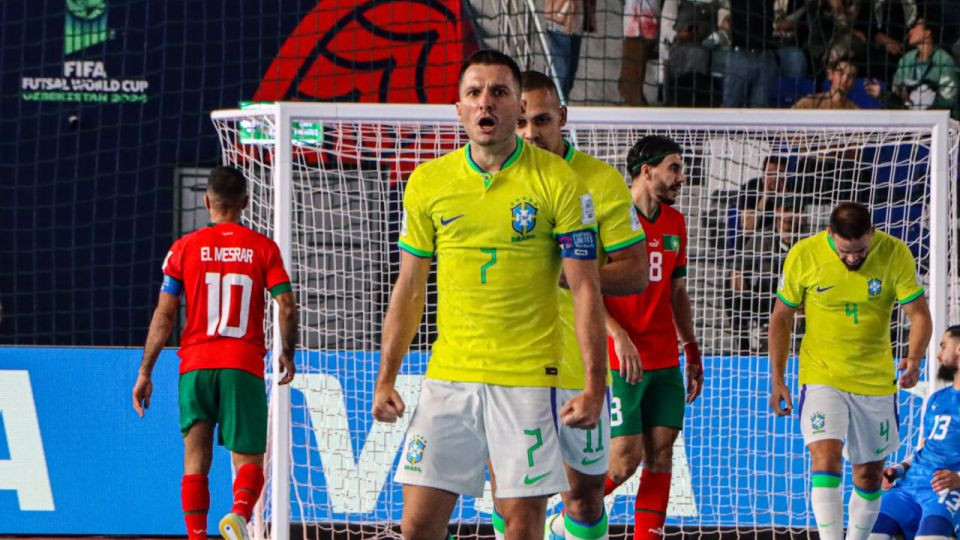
415	449
818	421
874	286
523	217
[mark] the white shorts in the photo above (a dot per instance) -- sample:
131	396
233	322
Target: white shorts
868	423
586	450
458	426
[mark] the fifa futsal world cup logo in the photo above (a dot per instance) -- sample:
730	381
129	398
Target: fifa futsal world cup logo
85	25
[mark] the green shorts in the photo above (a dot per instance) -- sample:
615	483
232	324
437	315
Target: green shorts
657	400
234	399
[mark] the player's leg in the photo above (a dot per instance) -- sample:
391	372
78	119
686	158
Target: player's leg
243	431
940	516
443	456
824	421
663	409
873	435
521	434
586	455
899	515
197	402
626	430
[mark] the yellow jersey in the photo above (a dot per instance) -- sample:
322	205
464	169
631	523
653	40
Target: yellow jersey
496	239
847	339
619	228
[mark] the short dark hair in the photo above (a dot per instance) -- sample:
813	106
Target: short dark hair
850	220
650	150
490	57
953	330
228	186
536	80
932	19
777	159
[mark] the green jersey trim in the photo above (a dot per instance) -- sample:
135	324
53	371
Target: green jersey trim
509	161
787	302
652	219
280	288
414	251
679	272
913	296
833	248
568	155
625	244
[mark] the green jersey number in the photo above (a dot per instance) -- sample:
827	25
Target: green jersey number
537	443
492	252
589	449
853	311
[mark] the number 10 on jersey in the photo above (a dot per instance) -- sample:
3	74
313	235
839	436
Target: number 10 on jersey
220	291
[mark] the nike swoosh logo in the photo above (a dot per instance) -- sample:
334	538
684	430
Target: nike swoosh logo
449	221
824	289
859	528
825	524
586	461
528	481
881	450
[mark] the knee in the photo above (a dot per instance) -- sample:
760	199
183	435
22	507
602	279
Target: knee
585	509
414	527
661	461
623	467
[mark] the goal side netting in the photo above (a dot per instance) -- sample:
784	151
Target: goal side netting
327	184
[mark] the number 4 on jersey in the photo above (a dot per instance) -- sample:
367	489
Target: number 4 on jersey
220	302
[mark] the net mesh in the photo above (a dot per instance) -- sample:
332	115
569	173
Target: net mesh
736	466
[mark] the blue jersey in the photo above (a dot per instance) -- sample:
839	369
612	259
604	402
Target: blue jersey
941	429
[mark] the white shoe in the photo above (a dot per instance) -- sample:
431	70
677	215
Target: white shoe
233	527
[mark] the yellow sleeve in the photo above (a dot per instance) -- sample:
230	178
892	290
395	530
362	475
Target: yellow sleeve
791	289
619	224
416	229
573	206
908	289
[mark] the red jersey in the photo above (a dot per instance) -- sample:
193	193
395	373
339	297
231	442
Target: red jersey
648	317
224	269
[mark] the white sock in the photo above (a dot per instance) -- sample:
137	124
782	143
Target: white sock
932	537
880	536
827	502
864	508
556	525
585	531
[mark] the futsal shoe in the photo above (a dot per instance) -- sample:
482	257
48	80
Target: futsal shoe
233	527
548	533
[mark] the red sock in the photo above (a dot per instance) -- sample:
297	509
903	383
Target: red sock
609	485
195	498
650	510
246	489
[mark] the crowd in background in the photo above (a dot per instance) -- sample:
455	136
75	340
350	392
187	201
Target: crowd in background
814	54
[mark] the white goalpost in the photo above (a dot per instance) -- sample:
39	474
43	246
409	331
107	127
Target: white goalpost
327	182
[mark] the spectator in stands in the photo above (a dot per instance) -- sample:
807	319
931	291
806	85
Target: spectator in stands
926	77
828	31
566	22
719	42
756	269
841	74
688	64
757	197
787	37
751	67
641	29
877	35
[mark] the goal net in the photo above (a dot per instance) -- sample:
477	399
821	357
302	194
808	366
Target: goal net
327	184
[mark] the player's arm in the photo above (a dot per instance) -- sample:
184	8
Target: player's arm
287	311
893	472
626	271
161	326
683	322
584	280
399	327
631	365
778	344
921	328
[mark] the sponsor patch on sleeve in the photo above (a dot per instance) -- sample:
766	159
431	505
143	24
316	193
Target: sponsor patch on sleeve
588	214
580	245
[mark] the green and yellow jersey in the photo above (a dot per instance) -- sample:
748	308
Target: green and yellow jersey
847	339
619	228
499	238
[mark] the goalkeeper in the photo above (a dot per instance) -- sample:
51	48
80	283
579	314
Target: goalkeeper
847	280
502	217
924	501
